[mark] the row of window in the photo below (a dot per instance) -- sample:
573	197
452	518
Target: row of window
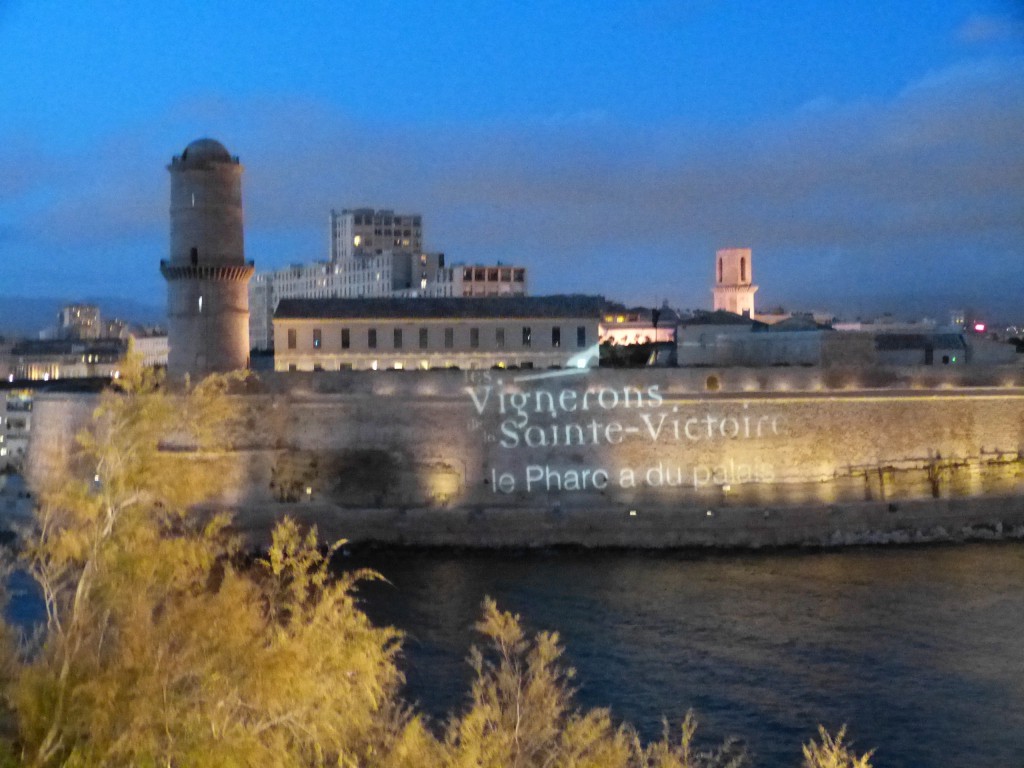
493	274
449	337
368	220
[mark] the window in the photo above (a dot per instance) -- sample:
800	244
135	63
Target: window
398	338
292	367
719	270
499	338
743	269
474	338
581	335
556	337
346	339
423	338
371	338
292	338
318	338
449	338
527	335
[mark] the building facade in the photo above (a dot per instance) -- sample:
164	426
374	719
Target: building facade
207	275
15	427
478	280
364	231
53	359
424	333
79	321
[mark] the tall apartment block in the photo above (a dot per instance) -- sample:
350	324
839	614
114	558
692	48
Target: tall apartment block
79	321
365	231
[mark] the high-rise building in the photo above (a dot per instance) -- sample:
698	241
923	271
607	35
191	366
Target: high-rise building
365	231
733	289
207	274
79	321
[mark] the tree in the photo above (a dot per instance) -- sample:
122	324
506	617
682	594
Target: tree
522	714
159	648
832	753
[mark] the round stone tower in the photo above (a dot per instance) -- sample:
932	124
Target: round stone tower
207	274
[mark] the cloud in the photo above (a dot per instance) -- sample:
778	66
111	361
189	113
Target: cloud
925	188
986	28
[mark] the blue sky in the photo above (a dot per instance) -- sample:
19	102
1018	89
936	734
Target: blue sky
869	153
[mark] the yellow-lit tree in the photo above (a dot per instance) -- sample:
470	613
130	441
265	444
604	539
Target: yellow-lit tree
522	714
158	649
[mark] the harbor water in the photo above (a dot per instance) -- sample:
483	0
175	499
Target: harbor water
919	650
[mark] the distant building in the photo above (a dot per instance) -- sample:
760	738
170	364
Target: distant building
374	254
726	339
387	274
921	349
51	359
622	326
733	289
365	231
15	427
153	349
376	334
478	280
79	321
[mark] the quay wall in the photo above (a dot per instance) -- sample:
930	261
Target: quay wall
647	458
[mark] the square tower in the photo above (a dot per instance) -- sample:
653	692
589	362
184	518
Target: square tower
734	289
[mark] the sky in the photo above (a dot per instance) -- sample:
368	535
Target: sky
871	154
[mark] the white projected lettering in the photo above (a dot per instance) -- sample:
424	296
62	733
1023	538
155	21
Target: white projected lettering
515	419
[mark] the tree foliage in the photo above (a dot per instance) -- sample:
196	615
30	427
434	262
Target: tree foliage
833	753
158	648
522	714
164	646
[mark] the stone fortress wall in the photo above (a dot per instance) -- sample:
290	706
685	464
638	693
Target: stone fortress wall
730	457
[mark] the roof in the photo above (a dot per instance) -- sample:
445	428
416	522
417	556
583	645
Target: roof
32	347
666	315
204	151
719	317
567	306
889	342
799	323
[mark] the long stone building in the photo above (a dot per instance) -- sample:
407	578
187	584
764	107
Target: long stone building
468	333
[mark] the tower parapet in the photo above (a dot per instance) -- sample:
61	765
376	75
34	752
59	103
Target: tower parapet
207	274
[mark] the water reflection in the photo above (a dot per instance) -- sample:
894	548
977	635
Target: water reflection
919	650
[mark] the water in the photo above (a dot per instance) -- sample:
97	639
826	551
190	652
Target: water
919	650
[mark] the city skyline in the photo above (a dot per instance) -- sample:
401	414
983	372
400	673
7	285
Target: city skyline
870	157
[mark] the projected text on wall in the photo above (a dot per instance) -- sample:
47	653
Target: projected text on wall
555	434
